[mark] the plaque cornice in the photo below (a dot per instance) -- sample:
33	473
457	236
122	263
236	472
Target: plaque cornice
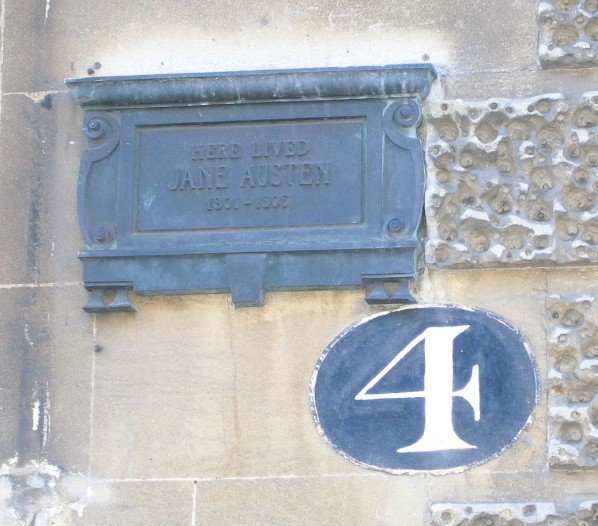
413	80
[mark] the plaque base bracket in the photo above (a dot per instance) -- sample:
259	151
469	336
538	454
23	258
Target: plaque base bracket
245	274
248	276
119	294
382	290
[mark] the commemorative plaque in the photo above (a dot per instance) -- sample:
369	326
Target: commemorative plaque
255	181
425	389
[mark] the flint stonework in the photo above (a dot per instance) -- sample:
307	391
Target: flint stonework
514	514
572	382
513	182
568	33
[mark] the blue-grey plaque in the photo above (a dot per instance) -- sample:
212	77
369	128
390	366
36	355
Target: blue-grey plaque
424	389
252	181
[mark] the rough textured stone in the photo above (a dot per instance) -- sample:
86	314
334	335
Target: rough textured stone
573	381
40	494
513	514
568	33
513	181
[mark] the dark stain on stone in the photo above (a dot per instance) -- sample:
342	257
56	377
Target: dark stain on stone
35	337
47	102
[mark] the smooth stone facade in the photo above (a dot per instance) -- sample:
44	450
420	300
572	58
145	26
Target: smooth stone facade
193	412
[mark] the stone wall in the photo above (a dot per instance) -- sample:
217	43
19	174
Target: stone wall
193	412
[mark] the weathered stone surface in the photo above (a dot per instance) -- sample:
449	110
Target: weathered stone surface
517	84
67	143
513	181
41	494
568	33
325	501
27	148
526	486
164	390
275	351
136	503
513	514
573	381
38	189
26	50
46	42
11	363
45	359
69	356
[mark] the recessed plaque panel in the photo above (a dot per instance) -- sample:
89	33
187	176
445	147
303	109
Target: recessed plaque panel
248	182
251	175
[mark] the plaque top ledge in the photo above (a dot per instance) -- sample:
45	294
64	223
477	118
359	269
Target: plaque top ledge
413	80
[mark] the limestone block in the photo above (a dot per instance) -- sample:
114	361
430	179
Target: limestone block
42	494
48	41
513	181
568	33
67	142
25	185
275	351
69	357
40	151
513	514
27	48
573	381
164	390
11	363
559	488
135	503
372	500
45	358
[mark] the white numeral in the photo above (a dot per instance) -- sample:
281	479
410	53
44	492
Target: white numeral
439	433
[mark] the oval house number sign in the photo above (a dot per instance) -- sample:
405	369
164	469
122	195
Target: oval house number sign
424	389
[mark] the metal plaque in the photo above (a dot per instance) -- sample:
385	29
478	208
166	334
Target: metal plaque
246	182
424	389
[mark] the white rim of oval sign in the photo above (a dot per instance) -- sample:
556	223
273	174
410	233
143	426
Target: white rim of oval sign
425	389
